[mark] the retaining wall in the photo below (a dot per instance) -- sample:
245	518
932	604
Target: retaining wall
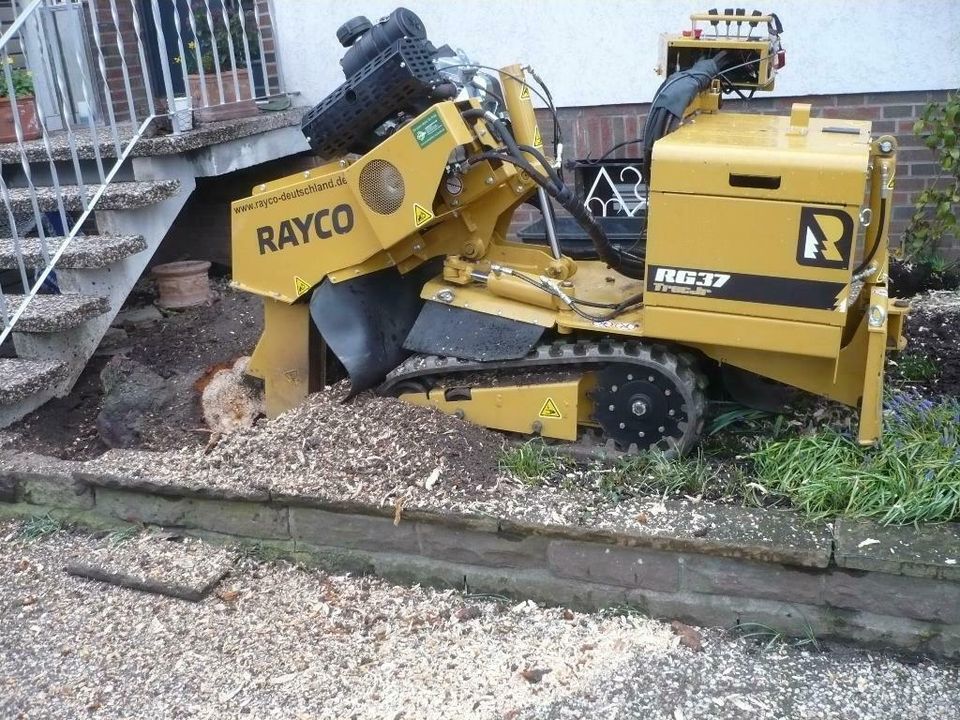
890	587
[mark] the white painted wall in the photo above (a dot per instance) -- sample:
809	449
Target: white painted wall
604	52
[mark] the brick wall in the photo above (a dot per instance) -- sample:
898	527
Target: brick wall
590	131
271	65
113	60
125	28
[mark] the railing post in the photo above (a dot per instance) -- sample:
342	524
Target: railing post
165	67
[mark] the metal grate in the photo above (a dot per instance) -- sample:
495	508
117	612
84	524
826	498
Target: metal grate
382	187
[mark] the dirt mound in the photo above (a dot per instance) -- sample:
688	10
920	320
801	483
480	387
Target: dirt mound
330	439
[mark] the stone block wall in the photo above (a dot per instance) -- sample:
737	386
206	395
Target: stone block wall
887	587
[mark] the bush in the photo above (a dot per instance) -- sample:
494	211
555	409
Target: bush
935	211
22	83
913	476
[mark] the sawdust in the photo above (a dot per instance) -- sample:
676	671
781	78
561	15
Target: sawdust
279	641
368	449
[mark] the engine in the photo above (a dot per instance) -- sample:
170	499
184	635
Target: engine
391	76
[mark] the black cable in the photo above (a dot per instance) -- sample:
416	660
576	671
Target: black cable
628	264
548	100
625	263
557	129
755	61
554	175
488	91
873	251
608	153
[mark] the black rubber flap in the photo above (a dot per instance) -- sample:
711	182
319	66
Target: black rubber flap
470	335
364	321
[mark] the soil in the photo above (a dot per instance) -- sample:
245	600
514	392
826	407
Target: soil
911	278
180	346
933	331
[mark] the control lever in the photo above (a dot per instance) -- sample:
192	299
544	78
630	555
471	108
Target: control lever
753	23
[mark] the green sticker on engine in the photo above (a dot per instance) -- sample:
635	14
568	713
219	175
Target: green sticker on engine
428	129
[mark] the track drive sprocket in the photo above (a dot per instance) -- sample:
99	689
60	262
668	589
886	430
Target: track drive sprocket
655	402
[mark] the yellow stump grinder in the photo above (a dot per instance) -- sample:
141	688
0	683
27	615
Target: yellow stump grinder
761	260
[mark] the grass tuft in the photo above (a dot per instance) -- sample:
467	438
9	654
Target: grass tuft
532	462
118	537
739	415
914	367
769	638
652	472
913	476
40	526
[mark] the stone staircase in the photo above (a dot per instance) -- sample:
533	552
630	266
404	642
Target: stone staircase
56	334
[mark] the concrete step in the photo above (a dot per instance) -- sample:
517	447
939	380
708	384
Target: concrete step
118	196
158	142
53	313
83	252
20	379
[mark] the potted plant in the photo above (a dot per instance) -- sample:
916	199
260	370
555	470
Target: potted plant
26	108
207	50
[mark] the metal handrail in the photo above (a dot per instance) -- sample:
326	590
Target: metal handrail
220	32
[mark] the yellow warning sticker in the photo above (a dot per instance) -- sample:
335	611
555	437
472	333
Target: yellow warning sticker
537	138
525	92
300	285
550	410
421	216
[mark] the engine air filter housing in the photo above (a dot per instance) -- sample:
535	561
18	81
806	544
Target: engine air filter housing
382	187
402	78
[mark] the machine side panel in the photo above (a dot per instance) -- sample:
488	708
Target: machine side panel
288	239
293	234
763	156
741	256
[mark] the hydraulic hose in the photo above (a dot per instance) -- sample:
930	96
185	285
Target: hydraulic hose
673	97
626	264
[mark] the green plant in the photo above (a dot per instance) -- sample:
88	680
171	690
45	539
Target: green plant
915	367
22	84
532	462
935	209
769	638
912	476
652	473
118	537
737	415
40	526
939	264
216	45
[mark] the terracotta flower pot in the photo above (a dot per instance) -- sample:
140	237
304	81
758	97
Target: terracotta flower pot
182	284
29	121
213	89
